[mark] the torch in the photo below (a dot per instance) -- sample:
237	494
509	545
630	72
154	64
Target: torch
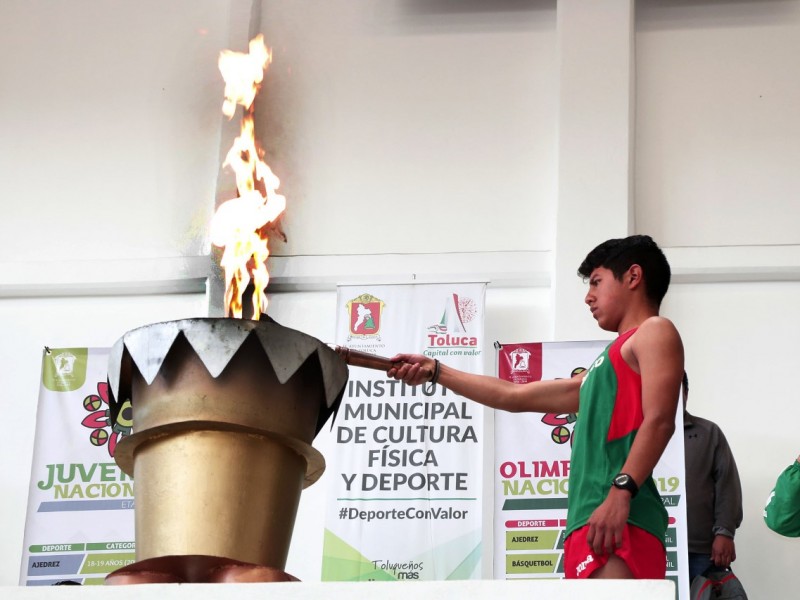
371	361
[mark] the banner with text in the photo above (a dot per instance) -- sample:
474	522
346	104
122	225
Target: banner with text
405	493
79	525
532	461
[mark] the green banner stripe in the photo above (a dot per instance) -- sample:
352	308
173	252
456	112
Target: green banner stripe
519	564
105	563
129	546
534	503
56	548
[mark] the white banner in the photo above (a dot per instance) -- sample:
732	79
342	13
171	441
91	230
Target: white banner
405	493
80	505
532	459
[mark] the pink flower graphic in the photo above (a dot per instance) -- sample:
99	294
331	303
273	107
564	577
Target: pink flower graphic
104	432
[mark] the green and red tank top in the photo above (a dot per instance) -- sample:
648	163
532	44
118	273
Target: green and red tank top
610	414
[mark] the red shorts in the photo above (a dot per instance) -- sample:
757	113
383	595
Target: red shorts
642	552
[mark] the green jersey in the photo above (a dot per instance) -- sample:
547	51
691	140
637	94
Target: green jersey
610	414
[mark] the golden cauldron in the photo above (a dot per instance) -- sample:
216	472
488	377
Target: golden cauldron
224	412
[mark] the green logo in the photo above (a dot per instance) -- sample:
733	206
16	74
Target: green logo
64	369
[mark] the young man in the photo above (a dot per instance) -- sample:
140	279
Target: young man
626	402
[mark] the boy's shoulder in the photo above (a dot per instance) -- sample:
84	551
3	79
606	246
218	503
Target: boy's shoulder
655	328
657	343
657	322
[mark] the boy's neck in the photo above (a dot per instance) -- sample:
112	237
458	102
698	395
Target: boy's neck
634	318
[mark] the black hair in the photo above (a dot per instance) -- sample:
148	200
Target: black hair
617	255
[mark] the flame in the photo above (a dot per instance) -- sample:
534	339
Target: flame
242	74
240	224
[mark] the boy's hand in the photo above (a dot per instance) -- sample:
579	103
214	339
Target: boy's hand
409	368
608	522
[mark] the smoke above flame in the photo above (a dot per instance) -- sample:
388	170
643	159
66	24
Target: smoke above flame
240	225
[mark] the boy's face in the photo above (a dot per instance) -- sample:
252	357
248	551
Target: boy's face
606	298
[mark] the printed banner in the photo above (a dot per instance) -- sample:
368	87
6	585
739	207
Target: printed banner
406	480
532	461
80	505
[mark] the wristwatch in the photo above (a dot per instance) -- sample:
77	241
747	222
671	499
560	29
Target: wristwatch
624	481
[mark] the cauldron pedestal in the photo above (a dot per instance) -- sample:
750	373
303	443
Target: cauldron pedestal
224	412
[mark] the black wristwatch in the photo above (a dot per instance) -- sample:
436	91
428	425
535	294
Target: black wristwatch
624	481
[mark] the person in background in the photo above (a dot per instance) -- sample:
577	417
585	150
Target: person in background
782	513
713	493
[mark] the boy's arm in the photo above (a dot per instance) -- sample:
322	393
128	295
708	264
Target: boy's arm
559	396
656	352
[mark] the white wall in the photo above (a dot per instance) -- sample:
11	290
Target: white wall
407	124
416	140
110	114
718	134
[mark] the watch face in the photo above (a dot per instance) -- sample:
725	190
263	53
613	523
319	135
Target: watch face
622	480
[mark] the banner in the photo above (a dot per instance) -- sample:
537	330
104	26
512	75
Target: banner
405	492
80	505
531	471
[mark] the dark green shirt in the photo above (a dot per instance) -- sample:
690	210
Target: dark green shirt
782	513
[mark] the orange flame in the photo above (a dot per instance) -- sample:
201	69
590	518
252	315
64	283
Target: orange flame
239	225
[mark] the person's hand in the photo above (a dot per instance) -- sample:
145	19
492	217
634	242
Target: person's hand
408	368
723	551
608	522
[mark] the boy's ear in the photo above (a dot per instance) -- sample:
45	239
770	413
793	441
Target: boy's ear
634	276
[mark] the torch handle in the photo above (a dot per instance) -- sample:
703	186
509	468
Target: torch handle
371	361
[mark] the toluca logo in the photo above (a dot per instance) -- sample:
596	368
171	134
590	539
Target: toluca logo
448	340
365	314
520	360
451	330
